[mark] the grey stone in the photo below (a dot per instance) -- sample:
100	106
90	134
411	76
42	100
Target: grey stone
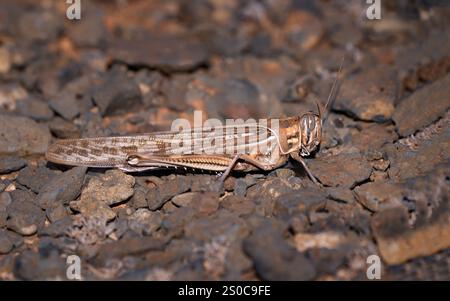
62	189
11	163
274	259
22	136
65	104
25	217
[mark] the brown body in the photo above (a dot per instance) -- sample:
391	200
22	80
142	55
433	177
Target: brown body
154	150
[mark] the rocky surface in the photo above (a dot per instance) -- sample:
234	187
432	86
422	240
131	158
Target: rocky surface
112	187
117	94
24	216
11	163
167	53
274	259
419	224
22	136
375	97
65	188
437	104
136	66
341	170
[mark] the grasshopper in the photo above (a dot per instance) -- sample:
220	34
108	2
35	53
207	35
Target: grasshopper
296	137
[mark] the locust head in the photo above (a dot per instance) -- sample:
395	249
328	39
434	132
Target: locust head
310	133
311	123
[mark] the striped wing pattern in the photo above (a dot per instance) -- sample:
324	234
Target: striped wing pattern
114	151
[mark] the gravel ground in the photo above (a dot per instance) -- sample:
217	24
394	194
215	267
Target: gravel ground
134	66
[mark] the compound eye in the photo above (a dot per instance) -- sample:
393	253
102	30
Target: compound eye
308	126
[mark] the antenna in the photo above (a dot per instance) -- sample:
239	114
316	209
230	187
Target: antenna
332	98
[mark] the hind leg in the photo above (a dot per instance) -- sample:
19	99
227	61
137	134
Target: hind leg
247	159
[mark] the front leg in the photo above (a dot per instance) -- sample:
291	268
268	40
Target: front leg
299	159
